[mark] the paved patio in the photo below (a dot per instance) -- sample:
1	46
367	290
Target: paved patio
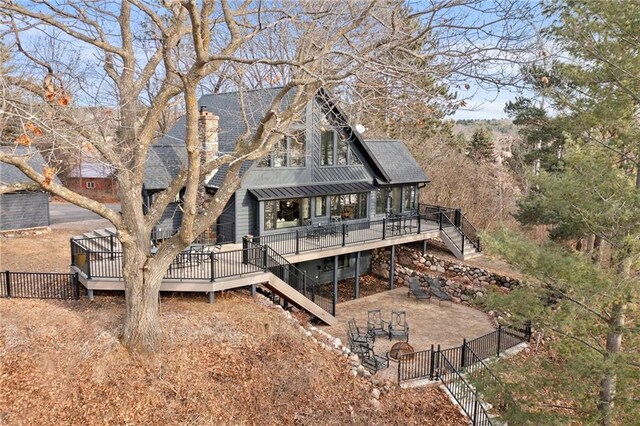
429	323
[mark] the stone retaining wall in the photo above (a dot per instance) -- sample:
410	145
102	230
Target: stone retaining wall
463	282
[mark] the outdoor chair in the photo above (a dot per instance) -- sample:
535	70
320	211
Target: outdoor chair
373	362
313	231
417	291
358	338
208	249
436	290
376	325
398	327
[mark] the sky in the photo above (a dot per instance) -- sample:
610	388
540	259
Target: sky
484	106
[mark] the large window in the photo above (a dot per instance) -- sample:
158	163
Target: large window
326	147
349	206
289	213
409	197
291	151
321	206
382	196
334	149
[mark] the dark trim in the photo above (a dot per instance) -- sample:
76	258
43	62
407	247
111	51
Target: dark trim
301	191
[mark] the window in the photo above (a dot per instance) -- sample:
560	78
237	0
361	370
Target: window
91	185
279	214
290	151
321	206
349	206
344	261
342	151
335	150
326	147
409	197
396	199
381	200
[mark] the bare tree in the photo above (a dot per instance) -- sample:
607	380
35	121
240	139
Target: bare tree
146	55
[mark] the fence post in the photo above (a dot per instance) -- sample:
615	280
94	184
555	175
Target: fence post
499	335
111	246
8	282
344	234
76	286
297	241
527	330
73	262
475	410
245	250
384	228
457	218
463	238
213	268
437	368
264	258
313	293
419	222
88	257
432	363
463	355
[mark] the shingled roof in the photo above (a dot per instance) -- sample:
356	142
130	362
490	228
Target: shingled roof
169	153
397	162
10	175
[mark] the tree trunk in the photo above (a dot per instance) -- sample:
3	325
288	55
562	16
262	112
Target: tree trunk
608	382
142	331
596	252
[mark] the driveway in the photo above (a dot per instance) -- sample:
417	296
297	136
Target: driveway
67	213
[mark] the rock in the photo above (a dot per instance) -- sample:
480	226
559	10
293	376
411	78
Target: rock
375	393
433	267
479	294
456	299
367	374
337	343
354	358
361	370
375	404
353	372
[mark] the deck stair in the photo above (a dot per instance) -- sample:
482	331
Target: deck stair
456	231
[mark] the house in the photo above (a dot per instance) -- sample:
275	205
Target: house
308	214
22	209
323	173
91	176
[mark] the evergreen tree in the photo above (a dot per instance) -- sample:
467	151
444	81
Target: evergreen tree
481	146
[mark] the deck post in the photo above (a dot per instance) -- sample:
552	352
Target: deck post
335	280
90	294
384	228
304	283
253	289
424	246
357	277
8	282
213	267
297	241
344	234
212	296
392	261
419	223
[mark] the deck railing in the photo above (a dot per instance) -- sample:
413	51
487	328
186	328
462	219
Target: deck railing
341	234
268	259
449	219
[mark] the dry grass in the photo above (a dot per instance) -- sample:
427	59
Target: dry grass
233	362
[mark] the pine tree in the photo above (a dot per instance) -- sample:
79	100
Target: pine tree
481	147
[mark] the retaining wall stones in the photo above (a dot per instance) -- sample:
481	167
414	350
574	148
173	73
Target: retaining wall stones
463	282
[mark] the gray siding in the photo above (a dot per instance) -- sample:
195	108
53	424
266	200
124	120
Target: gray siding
171	218
246	214
315	268
24	210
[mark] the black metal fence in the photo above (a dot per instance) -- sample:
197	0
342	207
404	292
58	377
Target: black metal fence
425	364
450	366
38	285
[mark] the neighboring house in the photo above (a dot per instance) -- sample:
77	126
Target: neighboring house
22	209
323	173
91	176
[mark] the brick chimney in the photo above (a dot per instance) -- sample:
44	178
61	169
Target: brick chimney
208	134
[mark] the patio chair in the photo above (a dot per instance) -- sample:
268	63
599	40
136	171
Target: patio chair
417	291
436	289
372	361
398	327
376	325
208	249
358	338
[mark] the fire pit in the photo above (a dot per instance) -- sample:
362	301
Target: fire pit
399	349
